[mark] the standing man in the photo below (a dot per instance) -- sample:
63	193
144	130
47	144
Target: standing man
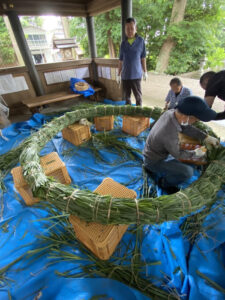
132	63
214	85
176	93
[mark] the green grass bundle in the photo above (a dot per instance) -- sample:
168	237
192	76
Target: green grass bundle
103	209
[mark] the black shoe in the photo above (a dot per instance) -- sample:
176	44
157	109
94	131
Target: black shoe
168	189
171	190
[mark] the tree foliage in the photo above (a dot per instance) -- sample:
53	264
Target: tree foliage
200	35
31	21
7	55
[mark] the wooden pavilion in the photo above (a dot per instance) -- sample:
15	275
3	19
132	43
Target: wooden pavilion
36	77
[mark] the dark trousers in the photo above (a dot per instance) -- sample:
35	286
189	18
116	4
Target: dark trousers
133	85
172	171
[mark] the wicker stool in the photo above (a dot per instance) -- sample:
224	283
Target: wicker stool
52	165
103	239
135	125
76	133
104	123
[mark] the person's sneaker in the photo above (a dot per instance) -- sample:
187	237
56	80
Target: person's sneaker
168	189
171	190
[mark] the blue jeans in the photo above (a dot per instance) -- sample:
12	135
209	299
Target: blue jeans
172	171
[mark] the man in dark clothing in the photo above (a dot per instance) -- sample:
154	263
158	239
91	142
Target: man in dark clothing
214	86
162	150
132	63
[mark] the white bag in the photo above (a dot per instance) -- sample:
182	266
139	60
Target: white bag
3	107
4	113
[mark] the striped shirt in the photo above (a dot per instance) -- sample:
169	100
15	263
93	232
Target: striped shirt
173	100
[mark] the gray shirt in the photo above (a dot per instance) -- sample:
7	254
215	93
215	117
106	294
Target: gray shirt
163	138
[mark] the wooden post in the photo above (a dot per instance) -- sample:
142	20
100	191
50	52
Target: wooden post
25	52
126	12
92	45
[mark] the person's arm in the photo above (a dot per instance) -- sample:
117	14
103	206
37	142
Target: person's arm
143	64
120	65
166	106
194	132
220	116
209	100
172	145
167	100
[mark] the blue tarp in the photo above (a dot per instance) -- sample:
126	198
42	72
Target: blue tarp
179	260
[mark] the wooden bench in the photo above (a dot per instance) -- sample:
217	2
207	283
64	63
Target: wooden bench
34	103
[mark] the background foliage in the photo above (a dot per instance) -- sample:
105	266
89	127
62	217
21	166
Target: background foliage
201	34
7	55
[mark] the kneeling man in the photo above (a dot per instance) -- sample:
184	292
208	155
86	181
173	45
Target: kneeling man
162	150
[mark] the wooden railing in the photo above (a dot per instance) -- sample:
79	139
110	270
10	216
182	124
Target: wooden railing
113	90
55	78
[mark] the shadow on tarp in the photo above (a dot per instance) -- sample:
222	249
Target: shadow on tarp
164	243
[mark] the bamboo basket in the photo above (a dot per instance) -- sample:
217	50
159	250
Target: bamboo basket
105	123
103	239
188	143
135	125
76	133
52	165
81	86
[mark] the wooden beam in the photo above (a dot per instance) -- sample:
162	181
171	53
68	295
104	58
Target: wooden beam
63	65
25	7
95	7
58	7
48	4
44	12
25	51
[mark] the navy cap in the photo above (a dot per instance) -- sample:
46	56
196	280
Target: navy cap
197	107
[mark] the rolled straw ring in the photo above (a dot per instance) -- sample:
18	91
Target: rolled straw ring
81	86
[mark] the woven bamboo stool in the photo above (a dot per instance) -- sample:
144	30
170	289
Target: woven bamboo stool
52	165
103	239
76	133
135	125
105	123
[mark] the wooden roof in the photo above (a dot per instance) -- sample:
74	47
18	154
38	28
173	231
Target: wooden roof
58	7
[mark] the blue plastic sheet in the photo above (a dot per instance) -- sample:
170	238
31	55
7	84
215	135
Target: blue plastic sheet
90	91
178	259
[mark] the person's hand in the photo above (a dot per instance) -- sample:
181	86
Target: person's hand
200	152
209	140
145	76
118	79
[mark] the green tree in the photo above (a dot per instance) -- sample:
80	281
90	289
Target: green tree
200	34
31	21
7	55
77	28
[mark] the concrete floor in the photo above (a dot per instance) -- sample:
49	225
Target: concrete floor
154	91
157	86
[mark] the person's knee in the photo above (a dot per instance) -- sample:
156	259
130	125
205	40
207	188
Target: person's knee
187	173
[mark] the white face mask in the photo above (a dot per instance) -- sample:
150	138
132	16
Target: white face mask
185	123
